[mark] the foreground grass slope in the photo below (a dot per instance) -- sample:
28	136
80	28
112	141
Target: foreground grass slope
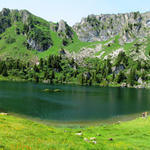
16	133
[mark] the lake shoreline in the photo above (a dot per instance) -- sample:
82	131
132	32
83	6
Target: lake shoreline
2	79
56	123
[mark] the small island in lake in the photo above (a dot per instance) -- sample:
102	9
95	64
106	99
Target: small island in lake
52	90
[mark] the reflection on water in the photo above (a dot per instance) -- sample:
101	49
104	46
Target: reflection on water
76	103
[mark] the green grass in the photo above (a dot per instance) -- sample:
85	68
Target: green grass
77	44
54	50
10	78
147	50
72	47
114	46
128	46
16	49
18	134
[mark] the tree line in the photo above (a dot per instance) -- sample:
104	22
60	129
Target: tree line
57	69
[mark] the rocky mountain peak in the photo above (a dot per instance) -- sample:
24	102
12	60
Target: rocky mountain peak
24	15
105	26
62	26
5	11
64	30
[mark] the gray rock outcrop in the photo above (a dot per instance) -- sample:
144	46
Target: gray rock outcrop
63	29
105	26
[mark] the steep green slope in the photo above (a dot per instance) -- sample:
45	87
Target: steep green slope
13	45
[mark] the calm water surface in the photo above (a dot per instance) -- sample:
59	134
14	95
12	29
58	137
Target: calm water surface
76	103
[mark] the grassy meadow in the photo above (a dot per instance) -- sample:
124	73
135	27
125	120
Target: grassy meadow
23	134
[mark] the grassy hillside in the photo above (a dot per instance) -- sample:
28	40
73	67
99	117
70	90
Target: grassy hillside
17	134
13	40
29	38
12	45
77	44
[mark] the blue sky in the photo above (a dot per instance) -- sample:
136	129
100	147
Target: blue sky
73	10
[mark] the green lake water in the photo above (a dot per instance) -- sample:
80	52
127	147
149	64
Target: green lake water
75	104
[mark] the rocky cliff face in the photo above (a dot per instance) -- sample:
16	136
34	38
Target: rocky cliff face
8	17
103	27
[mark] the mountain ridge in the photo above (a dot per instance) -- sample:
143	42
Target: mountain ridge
105	26
34	49
41	35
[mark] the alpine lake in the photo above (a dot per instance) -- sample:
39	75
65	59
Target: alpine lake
72	104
